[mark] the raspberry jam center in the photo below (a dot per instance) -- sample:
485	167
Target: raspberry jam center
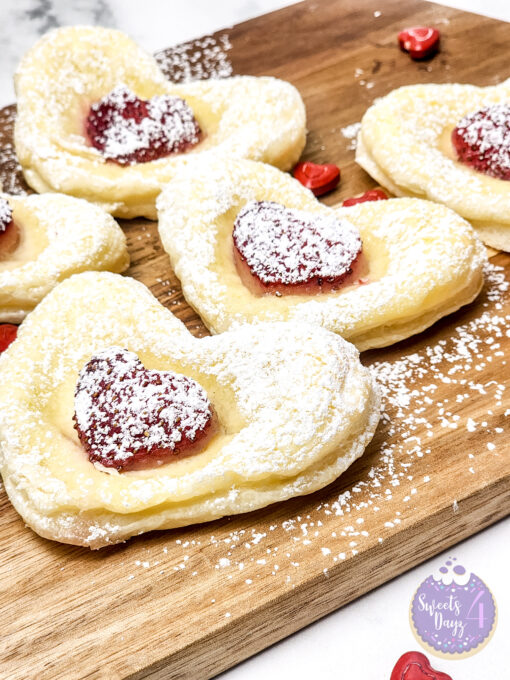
482	140
127	129
129	418
283	251
9	231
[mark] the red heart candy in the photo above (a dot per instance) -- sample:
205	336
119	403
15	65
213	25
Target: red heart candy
420	41
416	666
8	334
319	178
371	195
129	418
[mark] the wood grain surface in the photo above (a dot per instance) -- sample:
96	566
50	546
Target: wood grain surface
190	603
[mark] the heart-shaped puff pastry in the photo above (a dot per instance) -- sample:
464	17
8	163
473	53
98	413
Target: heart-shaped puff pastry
424	261
294	404
58	236
405	145
71	68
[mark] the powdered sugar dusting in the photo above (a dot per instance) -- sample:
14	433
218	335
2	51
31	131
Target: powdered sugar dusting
343	521
243	116
5	214
350	132
128	129
425	245
197	60
405	145
482	140
123	410
287	246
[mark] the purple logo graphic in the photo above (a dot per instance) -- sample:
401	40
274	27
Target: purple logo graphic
453	612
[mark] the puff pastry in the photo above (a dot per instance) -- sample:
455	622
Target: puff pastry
295	409
424	260
405	144
58	236
72	68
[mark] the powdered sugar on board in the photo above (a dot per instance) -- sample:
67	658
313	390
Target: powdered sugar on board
398	476
11	176
245	550
197	60
350	132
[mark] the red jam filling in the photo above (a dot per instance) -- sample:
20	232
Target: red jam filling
127	129
367	197
131	418
482	140
8	333
282	251
9	231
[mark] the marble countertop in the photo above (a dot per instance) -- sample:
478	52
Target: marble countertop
364	639
162	23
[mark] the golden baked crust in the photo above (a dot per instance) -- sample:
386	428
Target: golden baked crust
425	260
405	145
296	408
60	236
71	68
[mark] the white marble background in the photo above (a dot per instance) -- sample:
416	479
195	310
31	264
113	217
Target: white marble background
155	24
363	640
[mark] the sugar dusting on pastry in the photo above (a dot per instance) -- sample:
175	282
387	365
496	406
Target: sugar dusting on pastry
298	408
397	484
124	412
405	144
482	140
293	246
431	258
62	236
127	129
261	118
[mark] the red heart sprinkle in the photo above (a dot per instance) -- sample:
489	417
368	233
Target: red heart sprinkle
420	41
371	195
319	178
8	334
127	129
130	418
416	666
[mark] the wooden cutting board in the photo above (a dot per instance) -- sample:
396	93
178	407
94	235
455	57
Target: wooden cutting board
190	603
